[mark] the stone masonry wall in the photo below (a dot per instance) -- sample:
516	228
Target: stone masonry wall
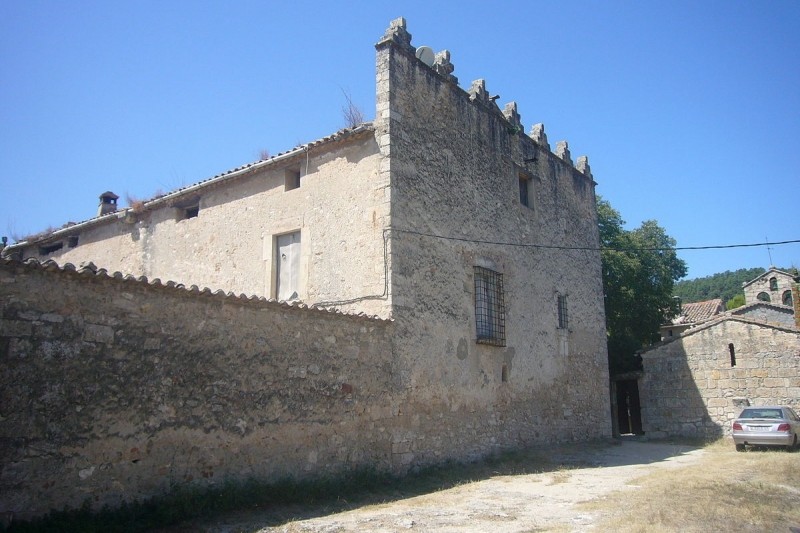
114	389
455	161
690	387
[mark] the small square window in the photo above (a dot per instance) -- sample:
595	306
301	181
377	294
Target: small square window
292	178
72	241
191	212
48	249
490	317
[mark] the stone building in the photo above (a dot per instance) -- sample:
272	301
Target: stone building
773	286
694	385
471	247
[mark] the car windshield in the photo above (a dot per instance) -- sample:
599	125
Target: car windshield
761	413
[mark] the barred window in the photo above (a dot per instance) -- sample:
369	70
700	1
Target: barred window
490	312
563	315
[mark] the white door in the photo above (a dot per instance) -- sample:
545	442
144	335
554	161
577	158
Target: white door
287	281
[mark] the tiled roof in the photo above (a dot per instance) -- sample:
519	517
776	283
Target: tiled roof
90	270
72	227
696	312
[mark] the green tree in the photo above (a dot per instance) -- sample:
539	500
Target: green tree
736	301
640	268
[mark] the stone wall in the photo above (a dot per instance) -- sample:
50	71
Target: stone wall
455	162
694	386
114	389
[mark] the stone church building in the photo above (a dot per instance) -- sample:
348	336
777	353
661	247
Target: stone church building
431	280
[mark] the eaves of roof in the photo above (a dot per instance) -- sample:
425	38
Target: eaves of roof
718	320
89	270
71	229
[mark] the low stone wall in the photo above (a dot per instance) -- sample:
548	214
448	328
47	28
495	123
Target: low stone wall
113	389
693	386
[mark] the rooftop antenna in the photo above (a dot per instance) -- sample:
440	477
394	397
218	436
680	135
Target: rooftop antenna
769	250
426	55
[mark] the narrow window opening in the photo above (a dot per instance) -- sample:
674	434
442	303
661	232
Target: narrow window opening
72	241
732	351
773	284
50	248
504	374
563	315
292	178
489	307
524	190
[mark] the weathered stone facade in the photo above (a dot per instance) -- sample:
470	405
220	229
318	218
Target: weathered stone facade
773	286
116	389
474	243
695	385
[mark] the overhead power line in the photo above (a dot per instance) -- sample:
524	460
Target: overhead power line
594	248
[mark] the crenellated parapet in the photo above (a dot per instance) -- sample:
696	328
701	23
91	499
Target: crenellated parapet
396	35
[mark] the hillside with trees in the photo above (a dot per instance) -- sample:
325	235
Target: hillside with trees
725	285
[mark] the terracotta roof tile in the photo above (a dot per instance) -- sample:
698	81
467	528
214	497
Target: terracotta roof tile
696	312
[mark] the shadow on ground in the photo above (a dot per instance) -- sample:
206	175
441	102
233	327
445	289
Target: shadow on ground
536	460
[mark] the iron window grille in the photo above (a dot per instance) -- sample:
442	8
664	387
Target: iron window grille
490	312
563	315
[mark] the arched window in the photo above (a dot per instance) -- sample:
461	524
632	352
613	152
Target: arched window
773	284
787	298
763	296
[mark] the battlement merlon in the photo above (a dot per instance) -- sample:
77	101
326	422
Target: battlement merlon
396	33
443	66
583	166
539	136
513	117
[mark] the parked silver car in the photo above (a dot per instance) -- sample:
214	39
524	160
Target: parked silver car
766	426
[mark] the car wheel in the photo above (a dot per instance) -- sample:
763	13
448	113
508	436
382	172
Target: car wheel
740	447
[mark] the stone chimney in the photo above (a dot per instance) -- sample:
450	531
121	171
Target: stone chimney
108	203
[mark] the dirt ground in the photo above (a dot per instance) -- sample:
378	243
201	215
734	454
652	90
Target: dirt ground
505	503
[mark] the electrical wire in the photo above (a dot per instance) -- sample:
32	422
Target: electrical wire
594	248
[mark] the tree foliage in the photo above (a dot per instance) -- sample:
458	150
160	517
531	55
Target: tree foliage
736	301
640	268
724	285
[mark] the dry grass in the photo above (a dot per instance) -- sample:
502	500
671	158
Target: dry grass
754	491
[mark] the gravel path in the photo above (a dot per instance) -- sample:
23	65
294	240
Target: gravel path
517	503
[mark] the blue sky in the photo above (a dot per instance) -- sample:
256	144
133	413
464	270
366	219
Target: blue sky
689	111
